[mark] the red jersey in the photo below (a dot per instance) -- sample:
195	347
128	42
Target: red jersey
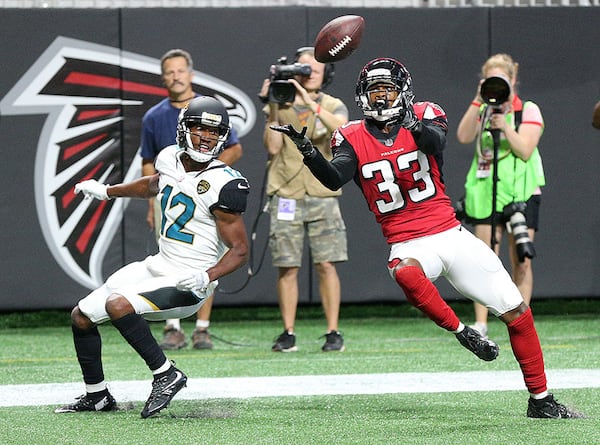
403	186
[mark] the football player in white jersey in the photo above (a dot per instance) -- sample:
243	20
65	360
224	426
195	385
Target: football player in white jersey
203	237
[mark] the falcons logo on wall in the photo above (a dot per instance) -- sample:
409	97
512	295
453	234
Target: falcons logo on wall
95	97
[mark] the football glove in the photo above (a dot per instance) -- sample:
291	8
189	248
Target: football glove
92	189
301	141
410	121
196	283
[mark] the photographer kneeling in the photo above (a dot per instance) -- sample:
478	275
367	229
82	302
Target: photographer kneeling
506	131
299	203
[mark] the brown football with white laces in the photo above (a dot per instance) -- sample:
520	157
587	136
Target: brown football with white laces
339	38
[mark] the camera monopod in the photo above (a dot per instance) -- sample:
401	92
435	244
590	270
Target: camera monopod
495	91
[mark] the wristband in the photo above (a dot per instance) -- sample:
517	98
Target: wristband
476	104
318	110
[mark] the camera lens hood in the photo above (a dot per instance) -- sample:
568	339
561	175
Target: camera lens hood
495	90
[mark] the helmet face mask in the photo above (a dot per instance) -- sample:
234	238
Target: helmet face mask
388	74
207	113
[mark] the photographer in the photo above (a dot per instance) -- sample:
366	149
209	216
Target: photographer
299	203
516	185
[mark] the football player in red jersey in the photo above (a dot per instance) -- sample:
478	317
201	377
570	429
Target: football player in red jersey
395	157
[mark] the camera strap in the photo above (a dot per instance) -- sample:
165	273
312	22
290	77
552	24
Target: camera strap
519	117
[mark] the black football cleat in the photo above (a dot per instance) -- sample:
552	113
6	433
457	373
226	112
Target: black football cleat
549	408
163	390
481	346
102	401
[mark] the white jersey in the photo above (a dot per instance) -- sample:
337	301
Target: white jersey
188	242
188	232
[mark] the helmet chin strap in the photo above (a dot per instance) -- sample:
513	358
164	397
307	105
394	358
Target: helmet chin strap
199	157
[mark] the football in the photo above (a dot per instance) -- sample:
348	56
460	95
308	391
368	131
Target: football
339	38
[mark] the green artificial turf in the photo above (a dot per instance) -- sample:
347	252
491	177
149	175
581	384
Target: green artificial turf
37	348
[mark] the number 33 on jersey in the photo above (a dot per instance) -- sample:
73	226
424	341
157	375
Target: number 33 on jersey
401	183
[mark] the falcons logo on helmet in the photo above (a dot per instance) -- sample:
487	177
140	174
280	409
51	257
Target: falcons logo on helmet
94	97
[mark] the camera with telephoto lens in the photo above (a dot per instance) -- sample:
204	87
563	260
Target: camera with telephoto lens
516	224
495	91
280	90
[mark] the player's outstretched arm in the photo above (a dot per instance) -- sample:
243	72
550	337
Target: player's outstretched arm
332	175
144	187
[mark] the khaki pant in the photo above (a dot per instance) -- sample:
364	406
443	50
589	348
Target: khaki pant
320	219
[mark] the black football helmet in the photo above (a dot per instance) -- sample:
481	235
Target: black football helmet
209	112
389	71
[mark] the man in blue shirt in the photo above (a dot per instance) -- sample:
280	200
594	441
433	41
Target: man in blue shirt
159	128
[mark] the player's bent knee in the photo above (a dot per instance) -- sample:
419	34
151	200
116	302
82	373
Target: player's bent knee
118	306
512	315
80	320
395	264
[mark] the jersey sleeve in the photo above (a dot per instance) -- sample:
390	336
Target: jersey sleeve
432	137
166	160
233	196
431	113
341	169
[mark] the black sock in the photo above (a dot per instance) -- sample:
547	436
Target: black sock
88	347
137	332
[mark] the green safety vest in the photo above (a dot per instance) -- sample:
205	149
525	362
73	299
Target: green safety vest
517	179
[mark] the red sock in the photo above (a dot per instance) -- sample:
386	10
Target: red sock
528	352
422	294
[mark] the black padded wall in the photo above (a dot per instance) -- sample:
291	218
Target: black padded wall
443	49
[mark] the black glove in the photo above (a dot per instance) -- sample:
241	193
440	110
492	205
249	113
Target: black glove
410	121
301	141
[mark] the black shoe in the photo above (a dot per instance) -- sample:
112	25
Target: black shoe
101	401
482	347
163	390
333	342
285	343
549	408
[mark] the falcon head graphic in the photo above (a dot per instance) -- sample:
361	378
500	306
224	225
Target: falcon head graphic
94	97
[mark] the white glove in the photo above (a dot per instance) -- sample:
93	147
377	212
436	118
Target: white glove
196	283
92	189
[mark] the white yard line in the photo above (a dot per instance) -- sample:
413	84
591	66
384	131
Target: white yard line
306	385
